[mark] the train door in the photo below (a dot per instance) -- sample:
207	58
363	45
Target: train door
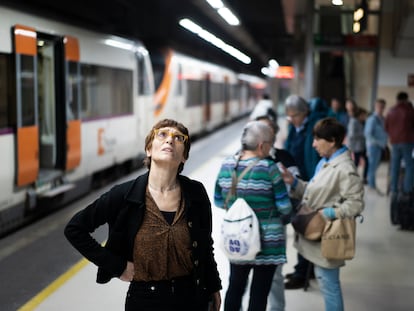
27	127
226	108
48	85
207	98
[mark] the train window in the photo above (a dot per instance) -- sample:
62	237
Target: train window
217	92
194	93
73	92
27	90
158	67
179	86
105	91
143	76
5	88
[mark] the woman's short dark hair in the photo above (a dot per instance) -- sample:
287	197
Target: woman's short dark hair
167	123
331	130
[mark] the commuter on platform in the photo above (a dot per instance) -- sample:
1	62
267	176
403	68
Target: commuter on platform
276	299
264	190
302	117
335	189
356	138
337	111
264	107
159	231
399	124
376	141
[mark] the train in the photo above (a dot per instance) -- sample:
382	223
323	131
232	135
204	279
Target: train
76	104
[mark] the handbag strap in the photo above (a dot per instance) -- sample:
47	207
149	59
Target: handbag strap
235	180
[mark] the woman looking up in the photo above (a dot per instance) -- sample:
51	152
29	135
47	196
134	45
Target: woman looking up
159	231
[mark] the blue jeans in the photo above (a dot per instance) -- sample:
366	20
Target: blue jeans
330	287
399	152
374	159
276	298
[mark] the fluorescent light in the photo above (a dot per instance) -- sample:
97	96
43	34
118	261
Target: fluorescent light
228	16
224	12
273	63
358	14
216	4
337	2
209	37
356	27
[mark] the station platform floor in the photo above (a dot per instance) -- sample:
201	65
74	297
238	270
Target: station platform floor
380	277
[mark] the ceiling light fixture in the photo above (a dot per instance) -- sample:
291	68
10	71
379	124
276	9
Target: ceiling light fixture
224	12
337	2
209	37
215	4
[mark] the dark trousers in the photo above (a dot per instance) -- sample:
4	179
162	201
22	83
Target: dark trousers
173	295
301	268
259	288
357	157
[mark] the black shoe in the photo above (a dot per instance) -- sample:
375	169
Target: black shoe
289	276
295	283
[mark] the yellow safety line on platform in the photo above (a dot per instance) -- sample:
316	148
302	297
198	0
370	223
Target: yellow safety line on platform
39	298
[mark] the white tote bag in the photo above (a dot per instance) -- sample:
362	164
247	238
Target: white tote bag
240	232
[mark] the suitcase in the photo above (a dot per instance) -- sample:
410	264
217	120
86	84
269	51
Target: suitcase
395	217
405	211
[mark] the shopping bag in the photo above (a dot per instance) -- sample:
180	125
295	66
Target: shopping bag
338	239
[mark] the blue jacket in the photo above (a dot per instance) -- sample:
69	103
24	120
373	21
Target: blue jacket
299	145
374	131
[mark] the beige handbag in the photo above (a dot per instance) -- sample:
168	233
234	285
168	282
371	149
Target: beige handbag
338	239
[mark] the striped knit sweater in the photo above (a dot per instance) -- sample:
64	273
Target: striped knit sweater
264	190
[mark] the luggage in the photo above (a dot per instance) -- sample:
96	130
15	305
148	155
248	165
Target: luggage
406	212
402	211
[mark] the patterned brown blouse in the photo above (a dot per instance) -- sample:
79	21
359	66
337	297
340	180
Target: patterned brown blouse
162	251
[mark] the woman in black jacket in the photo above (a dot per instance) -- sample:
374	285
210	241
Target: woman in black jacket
159	231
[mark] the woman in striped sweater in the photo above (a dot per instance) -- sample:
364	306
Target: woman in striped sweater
264	190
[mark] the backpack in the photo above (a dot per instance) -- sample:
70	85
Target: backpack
240	230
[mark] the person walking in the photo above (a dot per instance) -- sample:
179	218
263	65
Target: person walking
356	138
159	231
376	141
264	190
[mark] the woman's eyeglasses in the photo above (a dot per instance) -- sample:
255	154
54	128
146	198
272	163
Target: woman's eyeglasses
163	134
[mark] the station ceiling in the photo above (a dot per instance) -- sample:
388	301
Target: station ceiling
266	30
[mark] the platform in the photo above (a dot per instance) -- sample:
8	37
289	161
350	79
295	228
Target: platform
380	277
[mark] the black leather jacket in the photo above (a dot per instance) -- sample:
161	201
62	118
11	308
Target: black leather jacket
123	208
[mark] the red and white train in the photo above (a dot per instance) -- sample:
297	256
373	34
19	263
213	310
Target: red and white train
76	103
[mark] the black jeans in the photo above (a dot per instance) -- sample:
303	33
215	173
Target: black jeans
259	288
172	295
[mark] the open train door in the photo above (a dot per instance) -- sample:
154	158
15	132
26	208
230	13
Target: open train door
72	81
27	129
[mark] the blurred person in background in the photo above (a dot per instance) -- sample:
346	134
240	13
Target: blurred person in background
376	141
399	124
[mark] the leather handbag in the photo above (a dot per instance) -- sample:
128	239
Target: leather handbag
308	222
